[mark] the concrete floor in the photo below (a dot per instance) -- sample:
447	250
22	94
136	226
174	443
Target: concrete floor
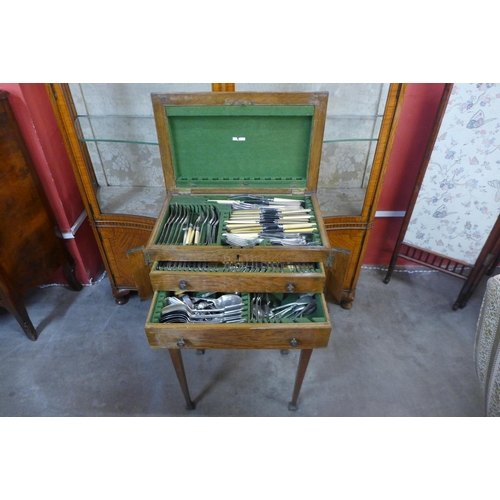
400	351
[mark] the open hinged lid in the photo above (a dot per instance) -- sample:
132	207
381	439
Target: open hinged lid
240	142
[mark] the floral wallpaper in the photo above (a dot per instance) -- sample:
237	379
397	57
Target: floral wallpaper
459	200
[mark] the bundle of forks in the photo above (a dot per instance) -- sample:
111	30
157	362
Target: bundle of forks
190	225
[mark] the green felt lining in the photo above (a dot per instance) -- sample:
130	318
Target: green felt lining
231	146
317	317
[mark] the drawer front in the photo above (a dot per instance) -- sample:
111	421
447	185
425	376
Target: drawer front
268	277
238	337
238	254
303	333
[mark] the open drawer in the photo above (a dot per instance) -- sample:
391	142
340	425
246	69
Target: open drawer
256	329
274	277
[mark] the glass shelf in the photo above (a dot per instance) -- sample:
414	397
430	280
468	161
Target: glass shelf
343	128
127	129
142	129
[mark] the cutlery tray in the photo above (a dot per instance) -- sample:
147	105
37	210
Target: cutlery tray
249	301
199	220
309	332
242	267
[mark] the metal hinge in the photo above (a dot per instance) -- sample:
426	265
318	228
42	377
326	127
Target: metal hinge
147	258
298	191
184	190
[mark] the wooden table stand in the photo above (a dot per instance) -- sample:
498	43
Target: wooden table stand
176	356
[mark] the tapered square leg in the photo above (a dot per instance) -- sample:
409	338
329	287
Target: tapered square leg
176	357
305	356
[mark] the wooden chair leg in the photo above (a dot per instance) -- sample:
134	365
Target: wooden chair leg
305	356
15	305
12	300
176	356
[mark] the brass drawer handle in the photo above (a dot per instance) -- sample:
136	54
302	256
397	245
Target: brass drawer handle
181	342
290	287
294	342
183	285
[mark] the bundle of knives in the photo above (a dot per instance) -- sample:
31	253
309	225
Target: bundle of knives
280	220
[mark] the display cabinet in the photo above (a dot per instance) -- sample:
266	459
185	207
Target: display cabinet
359	133
110	135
